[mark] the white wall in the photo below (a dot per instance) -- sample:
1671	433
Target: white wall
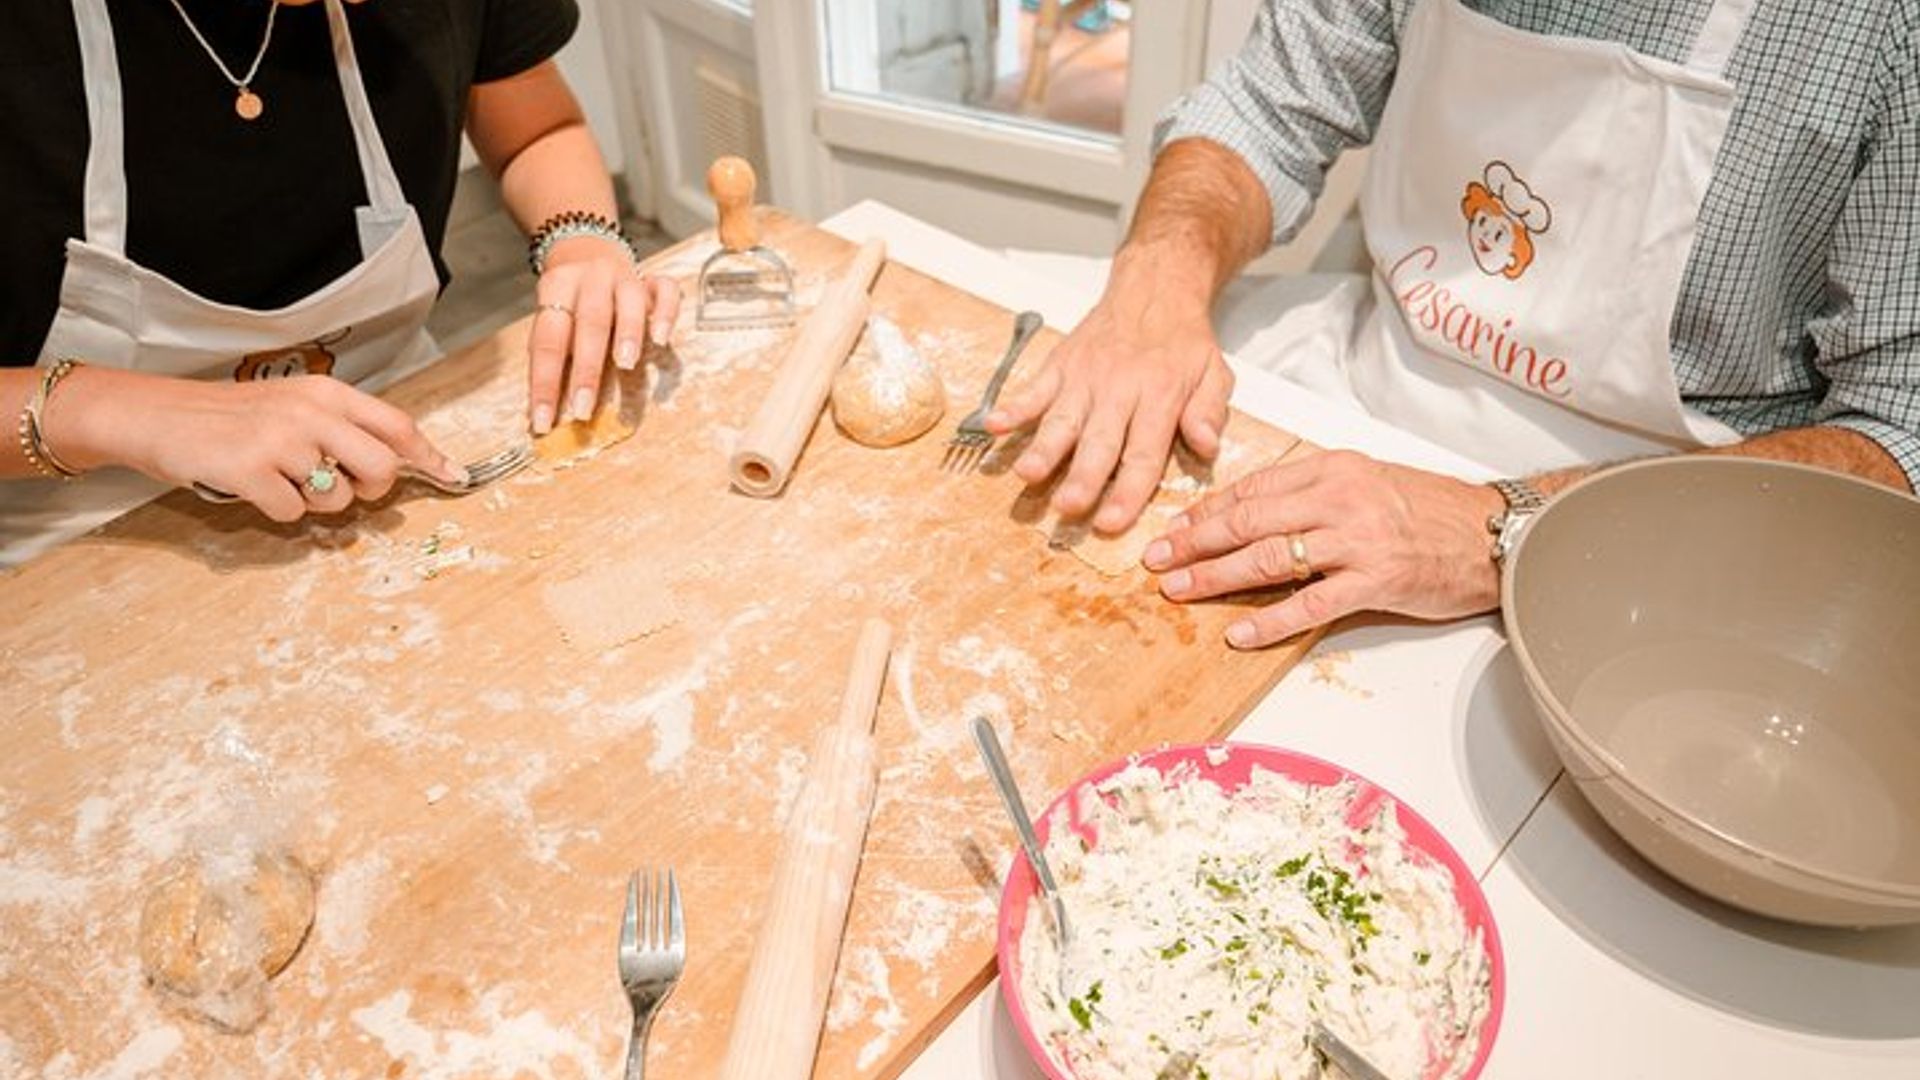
584	62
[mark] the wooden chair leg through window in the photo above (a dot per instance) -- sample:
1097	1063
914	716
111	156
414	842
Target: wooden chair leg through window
1046	27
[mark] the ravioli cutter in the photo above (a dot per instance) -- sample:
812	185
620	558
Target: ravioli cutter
745	285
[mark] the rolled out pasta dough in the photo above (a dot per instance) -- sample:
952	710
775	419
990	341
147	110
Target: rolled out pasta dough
611	604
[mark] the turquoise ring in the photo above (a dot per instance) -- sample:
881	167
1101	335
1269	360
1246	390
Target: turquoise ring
321	479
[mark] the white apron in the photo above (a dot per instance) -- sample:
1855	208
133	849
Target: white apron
1529	208
365	327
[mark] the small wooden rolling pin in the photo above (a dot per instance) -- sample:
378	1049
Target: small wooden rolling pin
771	444
776	1027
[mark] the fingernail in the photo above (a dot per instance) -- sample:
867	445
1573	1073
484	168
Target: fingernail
1180	581
1157	554
583	403
452	473
1241	635
659	331
1178	521
542	419
628	354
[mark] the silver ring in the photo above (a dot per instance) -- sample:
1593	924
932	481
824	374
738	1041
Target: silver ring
1297	548
321	478
561	308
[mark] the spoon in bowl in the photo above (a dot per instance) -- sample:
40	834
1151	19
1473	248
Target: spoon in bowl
1023	825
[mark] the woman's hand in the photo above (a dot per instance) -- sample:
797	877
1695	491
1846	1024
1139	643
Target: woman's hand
592	306
259	440
1378	537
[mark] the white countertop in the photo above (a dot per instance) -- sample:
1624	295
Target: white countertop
1613	970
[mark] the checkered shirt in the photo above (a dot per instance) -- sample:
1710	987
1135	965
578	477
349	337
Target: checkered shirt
1801	299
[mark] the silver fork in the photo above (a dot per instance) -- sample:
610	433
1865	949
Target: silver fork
495	466
653	953
971	439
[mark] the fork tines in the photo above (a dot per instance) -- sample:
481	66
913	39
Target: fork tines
653	953
500	465
653	920
965	450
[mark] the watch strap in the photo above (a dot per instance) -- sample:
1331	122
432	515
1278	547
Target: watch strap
1523	500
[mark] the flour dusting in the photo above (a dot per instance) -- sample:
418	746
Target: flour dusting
863	991
503	1045
348	899
1001	662
143	1056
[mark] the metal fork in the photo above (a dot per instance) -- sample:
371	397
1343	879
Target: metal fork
653	953
971	439
495	466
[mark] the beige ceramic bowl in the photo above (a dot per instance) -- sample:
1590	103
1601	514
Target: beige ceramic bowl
1726	654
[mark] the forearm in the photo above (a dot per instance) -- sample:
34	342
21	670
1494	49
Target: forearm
560	171
1835	448
16	386
80	422
530	133
1203	216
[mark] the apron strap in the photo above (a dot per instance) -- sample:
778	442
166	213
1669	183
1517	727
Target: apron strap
106	178
1718	35
383	185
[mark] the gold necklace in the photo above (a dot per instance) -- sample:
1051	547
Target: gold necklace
247	103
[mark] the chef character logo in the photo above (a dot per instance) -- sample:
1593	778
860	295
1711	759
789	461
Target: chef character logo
1503	216
307	358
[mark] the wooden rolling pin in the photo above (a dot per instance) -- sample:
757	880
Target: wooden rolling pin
776	1028
771	444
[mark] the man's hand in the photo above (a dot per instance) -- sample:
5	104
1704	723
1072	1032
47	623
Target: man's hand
1113	395
1378	537
1144	365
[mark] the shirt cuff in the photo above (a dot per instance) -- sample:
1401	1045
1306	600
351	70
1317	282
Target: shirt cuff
1207	114
1904	445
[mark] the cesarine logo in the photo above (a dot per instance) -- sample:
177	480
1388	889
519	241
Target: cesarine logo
1503	216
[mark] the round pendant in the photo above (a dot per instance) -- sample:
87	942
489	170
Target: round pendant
248	104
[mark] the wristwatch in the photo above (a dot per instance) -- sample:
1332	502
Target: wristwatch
1523	501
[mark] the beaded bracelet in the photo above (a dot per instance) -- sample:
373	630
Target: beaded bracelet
569	223
33	440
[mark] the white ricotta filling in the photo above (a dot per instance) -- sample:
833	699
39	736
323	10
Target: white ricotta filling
1221	925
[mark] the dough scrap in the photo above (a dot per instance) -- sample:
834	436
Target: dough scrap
578	440
887	393
611	605
215	929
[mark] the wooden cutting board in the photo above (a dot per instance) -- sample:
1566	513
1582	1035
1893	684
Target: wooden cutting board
474	765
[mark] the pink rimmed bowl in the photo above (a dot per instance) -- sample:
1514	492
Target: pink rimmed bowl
1231	773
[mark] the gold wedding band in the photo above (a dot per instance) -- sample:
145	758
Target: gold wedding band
561	308
321	478
1297	547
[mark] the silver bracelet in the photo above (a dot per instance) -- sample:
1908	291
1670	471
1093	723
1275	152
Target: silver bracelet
570	223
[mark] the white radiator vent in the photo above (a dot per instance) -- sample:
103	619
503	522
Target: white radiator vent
729	118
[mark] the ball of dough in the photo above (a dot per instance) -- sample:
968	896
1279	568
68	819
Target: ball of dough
214	930
887	393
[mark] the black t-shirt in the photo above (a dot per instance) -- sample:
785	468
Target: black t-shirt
256	214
